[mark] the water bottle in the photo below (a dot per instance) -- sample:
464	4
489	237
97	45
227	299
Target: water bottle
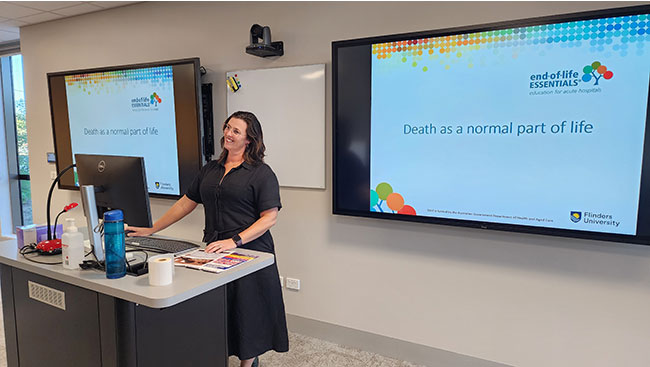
72	242
114	244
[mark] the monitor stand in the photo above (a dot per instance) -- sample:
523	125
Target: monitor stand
92	219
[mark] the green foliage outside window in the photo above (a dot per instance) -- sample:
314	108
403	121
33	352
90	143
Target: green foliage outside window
21	136
21	132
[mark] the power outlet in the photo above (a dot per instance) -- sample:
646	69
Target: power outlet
293	283
281	281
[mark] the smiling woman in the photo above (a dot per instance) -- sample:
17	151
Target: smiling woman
241	200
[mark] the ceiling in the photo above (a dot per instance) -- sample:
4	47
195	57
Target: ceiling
15	14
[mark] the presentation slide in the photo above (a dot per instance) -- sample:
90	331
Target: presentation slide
538	126
131	113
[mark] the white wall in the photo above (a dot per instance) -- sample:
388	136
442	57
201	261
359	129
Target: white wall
519	299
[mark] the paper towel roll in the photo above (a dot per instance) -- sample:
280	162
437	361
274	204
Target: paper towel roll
168	256
160	270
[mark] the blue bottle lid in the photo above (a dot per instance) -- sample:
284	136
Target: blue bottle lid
113	215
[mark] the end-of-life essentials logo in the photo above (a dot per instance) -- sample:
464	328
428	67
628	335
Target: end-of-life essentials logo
144	103
570	78
155	99
596	71
576	216
555	79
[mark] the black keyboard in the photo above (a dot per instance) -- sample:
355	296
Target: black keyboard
160	244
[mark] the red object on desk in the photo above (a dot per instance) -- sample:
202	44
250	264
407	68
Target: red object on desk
50	247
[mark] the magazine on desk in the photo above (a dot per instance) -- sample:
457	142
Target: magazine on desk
214	262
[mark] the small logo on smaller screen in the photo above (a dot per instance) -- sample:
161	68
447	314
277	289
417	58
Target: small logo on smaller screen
155	99
146	103
576	216
157	184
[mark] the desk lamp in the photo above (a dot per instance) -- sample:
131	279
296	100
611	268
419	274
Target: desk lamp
52	246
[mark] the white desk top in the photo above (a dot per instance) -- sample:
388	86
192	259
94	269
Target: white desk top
187	283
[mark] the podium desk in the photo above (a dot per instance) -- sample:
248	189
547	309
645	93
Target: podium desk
58	317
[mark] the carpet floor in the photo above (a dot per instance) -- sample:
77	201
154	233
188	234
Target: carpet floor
304	351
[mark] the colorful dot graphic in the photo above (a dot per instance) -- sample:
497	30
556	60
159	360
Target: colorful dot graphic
606	34
101	82
383	194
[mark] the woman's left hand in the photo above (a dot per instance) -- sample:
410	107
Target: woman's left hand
220	246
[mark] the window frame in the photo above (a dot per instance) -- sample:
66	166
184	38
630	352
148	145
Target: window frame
13	165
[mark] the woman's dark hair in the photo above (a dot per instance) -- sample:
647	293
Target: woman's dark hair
254	153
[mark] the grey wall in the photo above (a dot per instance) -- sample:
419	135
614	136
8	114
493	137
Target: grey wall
518	299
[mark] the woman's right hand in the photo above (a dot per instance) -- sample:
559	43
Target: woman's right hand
138	231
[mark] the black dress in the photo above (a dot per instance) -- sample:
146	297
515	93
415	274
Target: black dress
256	318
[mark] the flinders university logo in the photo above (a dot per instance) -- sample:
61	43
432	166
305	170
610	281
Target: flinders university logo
576	216
595	71
155	99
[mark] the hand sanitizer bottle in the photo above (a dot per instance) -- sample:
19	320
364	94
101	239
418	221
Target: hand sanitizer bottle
72	243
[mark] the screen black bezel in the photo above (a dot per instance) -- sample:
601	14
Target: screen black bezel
198	159
121	184
644	200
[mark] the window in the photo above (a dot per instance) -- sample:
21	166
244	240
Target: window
13	102
21	138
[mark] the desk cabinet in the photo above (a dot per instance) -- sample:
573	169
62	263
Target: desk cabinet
96	329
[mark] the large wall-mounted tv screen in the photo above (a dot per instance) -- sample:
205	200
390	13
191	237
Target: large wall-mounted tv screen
534	125
147	110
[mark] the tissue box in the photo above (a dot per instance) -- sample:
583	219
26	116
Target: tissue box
26	235
41	232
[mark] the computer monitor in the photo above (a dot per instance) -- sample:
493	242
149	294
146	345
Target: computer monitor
120	183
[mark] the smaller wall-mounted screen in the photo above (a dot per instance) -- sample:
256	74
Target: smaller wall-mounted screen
146	110
534	125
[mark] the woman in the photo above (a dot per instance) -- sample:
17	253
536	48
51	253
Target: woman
241	198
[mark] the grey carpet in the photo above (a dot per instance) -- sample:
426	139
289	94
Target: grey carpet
303	351
306	351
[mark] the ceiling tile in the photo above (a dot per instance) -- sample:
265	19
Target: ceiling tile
39	18
45	5
8	36
8	10
112	4
78	9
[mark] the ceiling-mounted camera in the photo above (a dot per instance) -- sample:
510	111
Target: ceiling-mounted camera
261	44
